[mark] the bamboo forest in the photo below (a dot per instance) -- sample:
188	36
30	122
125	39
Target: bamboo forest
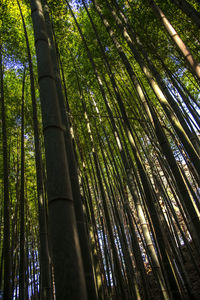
99	149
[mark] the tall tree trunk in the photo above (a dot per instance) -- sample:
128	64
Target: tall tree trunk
46	292
6	243
78	205
68	269
22	214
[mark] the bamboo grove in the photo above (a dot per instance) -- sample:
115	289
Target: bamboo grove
100	149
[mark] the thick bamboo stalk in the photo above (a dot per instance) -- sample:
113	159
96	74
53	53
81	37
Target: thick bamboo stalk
68	269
